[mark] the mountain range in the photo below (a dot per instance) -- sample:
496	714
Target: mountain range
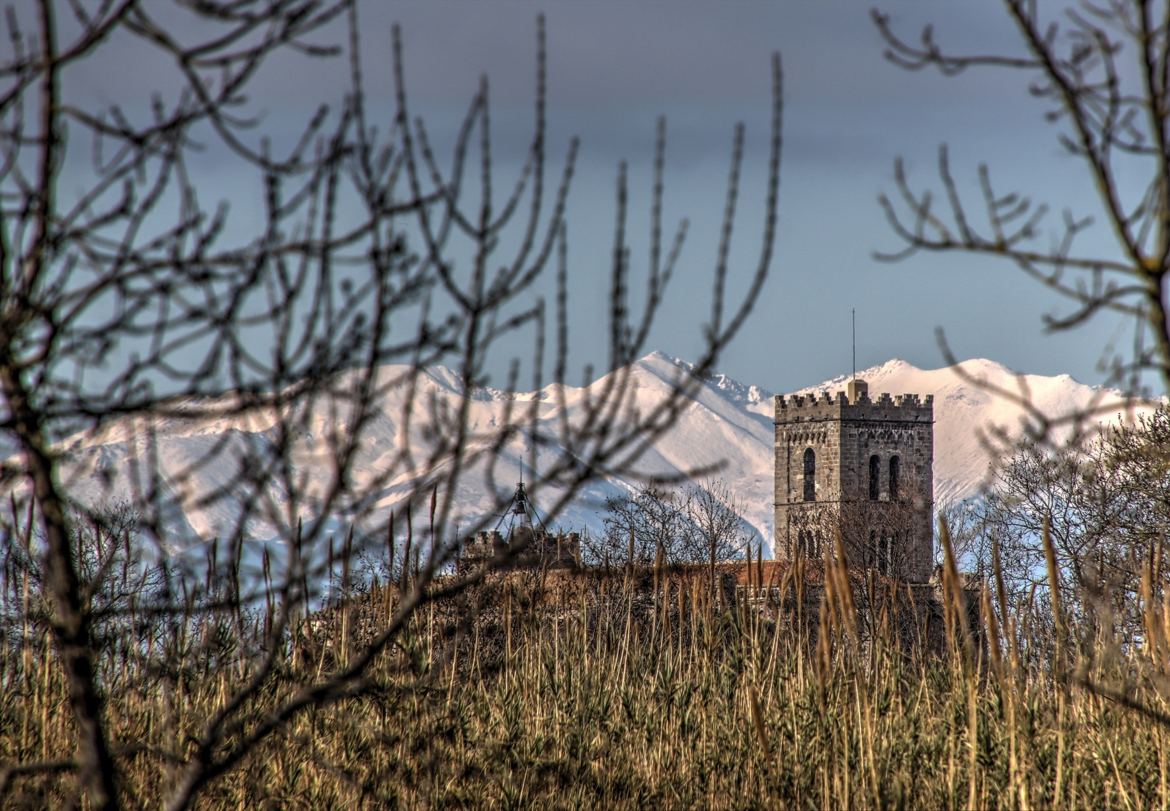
728	423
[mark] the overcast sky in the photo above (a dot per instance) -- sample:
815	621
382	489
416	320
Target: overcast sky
614	67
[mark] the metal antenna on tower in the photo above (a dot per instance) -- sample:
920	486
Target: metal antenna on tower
854	314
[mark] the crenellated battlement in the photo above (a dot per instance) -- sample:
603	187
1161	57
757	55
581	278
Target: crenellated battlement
838	406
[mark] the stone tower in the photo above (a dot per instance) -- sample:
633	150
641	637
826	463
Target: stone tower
862	467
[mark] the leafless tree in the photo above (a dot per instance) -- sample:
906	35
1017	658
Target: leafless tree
718	531
1100	70
130	303
1101	74
695	523
1103	509
644	527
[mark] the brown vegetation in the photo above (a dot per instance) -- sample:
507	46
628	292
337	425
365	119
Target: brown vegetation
637	686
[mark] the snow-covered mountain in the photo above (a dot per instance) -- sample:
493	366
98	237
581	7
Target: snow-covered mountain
728	423
972	420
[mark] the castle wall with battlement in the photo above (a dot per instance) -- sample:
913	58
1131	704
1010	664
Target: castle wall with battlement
537	549
809	407
844	435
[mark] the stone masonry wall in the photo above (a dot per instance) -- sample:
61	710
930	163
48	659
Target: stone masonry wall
844	435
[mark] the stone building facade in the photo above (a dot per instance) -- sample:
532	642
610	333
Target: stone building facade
524	543
858	467
523	548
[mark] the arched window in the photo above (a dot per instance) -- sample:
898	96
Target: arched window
810	475
895	469
875	466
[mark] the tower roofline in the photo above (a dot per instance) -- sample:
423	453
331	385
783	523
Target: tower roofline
839	404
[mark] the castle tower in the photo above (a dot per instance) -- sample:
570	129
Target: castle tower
862	467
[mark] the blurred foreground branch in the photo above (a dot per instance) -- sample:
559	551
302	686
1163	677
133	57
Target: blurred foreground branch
135	302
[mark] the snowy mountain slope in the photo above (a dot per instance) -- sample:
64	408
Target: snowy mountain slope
728	425
967	416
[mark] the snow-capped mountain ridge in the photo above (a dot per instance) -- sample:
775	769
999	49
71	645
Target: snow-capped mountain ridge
728	423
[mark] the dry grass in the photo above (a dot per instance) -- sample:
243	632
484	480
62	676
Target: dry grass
647	689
